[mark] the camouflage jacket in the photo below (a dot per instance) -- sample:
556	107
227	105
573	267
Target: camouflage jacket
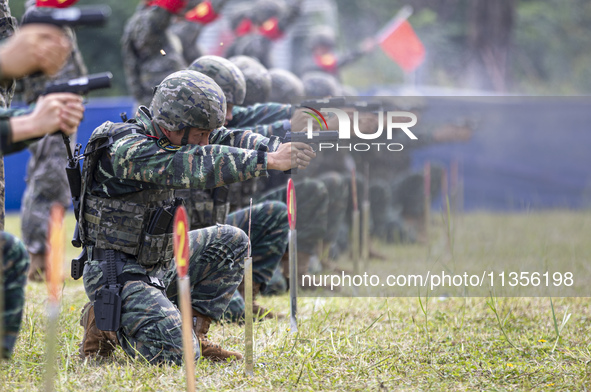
150	52
140	161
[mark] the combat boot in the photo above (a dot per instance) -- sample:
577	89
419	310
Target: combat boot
209	350
37	267
95	342
258	311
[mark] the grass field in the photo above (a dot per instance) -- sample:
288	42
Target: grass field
411	343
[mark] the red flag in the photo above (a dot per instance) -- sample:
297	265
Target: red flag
55	3
403	46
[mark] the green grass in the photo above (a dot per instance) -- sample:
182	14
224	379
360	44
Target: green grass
412	343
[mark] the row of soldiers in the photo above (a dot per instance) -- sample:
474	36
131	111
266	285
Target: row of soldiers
202	134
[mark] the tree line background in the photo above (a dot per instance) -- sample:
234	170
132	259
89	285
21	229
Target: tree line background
512	46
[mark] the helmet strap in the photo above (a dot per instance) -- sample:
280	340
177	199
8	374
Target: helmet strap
159	132
185	138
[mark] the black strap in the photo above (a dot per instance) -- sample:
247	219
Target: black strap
152	281
111	267
111	257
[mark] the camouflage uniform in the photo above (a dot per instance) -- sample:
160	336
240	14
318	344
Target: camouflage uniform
134	175
47	182
144	38
14	271
7	28
269	219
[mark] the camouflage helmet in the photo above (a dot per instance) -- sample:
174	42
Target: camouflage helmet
320	84
188	99
258	79
322	36
226	74
285	85
264	10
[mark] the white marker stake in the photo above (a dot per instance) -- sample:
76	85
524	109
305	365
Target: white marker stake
54	266
293	256
181	256
248	323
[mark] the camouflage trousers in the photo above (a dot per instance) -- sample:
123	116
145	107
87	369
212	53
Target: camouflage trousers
150	319
268	239
14	272
47	183
312	210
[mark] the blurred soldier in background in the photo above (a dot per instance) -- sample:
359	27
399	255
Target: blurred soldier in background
46	178
322	56
188	28
258	29
149	49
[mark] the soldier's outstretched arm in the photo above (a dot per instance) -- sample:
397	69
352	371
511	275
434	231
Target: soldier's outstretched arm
260	113
242	138
53	112
141	159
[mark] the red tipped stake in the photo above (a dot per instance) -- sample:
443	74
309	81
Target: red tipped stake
181	256
293	255
54	269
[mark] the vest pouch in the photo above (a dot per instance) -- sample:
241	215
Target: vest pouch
155	248
220	212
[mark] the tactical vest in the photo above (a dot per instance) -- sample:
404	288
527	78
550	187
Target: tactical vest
241	192
205	207
123	223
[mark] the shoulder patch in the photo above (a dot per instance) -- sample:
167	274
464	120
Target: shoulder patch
165	144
